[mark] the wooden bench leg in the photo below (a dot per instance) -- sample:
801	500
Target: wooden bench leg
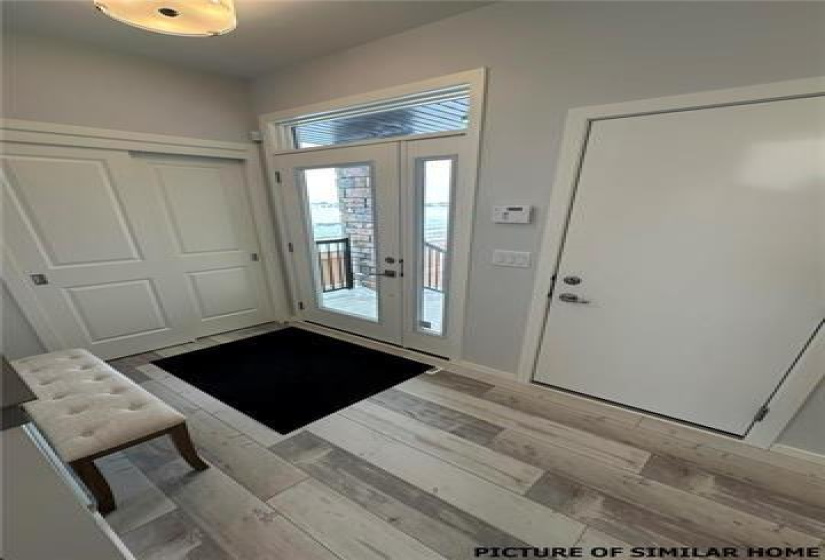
94	480
183	443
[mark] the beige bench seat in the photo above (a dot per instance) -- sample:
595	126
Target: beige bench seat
87	409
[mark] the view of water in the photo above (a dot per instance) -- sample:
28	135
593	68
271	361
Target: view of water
326	222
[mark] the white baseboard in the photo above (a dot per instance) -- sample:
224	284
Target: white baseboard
799	453
479	371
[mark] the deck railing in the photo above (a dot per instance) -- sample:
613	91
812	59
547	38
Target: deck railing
335	264
434	259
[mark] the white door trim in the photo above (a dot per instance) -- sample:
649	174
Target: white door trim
55	134
37	132
804	376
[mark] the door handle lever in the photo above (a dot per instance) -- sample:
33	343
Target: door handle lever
387	273
572	298
39	279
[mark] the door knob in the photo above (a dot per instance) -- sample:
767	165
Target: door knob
572	298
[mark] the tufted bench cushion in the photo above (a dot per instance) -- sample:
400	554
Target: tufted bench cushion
85	407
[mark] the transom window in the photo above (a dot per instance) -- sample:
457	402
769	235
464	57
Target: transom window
430	113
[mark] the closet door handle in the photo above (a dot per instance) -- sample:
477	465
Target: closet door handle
39	279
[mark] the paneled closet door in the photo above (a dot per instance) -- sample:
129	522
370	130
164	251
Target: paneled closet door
213	244
88	238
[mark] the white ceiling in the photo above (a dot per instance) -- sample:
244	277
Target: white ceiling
270	33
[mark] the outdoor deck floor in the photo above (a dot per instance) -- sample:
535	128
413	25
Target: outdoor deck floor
361	301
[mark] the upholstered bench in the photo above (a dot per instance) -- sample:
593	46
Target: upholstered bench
87	410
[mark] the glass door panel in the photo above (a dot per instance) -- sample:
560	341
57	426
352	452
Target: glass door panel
339	205
434	180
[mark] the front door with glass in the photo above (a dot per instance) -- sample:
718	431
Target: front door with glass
373	236
343	218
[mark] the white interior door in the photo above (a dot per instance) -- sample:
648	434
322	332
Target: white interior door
212	245
342	210
693	271
86	232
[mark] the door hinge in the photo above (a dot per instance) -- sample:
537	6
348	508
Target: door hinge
300	305
761	414
254	256
277	176
290	247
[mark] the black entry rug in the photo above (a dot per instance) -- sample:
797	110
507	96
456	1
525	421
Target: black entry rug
289	378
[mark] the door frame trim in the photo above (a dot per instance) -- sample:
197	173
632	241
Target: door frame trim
809	369
56	134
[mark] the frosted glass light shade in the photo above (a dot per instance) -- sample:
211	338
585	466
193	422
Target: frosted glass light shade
191	18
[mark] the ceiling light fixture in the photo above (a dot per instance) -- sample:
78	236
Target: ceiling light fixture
188	18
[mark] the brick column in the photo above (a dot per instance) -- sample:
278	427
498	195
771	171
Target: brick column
355	197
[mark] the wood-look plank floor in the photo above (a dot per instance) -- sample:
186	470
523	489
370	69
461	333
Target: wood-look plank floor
441	464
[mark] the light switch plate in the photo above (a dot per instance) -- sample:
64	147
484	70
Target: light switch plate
518	259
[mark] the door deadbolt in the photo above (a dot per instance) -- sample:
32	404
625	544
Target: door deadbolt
572	280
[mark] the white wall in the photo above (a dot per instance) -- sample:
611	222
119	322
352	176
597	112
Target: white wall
70	83
807	430
544	58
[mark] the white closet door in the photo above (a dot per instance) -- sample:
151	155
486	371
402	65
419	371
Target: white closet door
213	242
80	218
693	272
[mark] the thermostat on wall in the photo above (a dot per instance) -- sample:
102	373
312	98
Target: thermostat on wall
512	214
